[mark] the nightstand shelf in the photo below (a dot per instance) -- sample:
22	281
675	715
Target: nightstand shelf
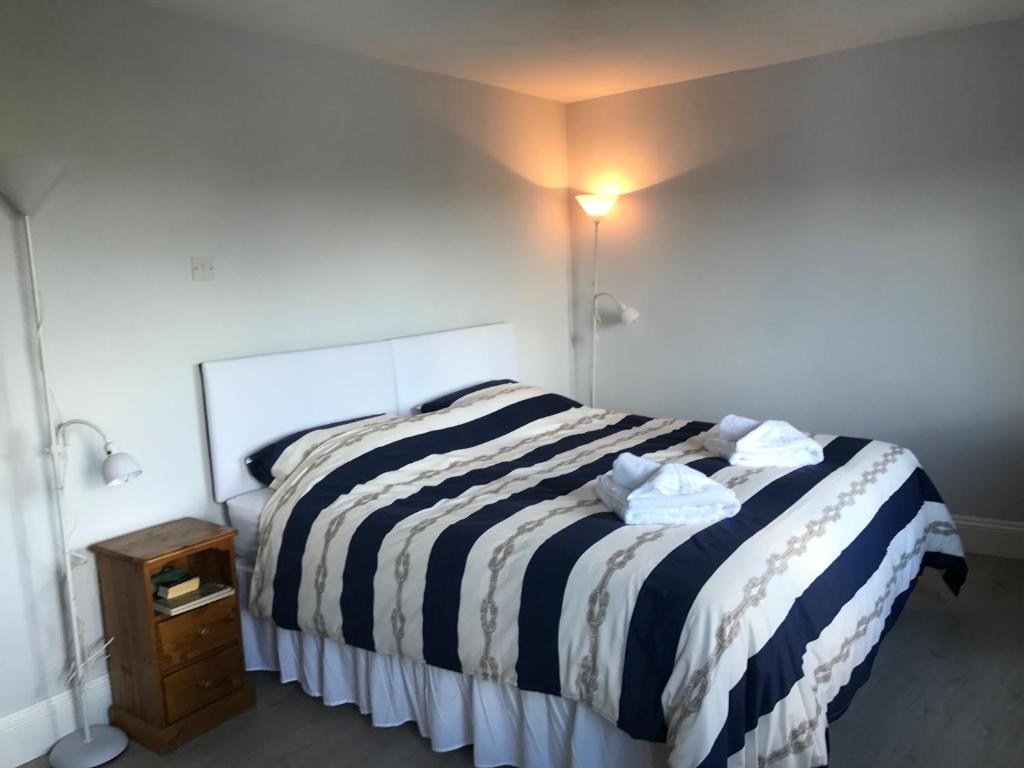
172	677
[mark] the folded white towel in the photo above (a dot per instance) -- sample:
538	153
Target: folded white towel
704	508
655	494
748	443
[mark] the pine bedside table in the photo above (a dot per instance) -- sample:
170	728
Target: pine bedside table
172	678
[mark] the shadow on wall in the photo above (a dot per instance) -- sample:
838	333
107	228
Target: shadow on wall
494	124
627	154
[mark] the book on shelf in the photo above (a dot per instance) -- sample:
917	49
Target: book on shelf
168	576
183	587
208	592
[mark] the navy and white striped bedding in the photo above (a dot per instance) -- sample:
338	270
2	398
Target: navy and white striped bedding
471	538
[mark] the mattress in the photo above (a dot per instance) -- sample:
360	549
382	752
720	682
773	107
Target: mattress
244	514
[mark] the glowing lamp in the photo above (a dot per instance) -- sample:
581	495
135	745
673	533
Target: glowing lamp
596	206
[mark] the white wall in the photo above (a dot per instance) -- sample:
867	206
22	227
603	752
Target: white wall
838	241
341	199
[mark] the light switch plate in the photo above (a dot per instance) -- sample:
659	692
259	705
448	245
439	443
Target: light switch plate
202	268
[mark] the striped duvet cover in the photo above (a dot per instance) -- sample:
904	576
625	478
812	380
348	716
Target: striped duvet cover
471	538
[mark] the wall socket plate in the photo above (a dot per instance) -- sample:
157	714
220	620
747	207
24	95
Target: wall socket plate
202	268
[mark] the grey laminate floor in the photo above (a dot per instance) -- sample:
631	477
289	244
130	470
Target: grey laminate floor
947	691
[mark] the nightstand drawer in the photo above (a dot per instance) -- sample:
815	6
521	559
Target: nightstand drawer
192	634
202	683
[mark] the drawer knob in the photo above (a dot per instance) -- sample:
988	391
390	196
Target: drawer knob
204	631
206	685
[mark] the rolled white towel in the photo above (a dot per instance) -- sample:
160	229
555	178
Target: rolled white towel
631	471
745	442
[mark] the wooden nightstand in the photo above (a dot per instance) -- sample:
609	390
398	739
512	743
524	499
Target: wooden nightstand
172	677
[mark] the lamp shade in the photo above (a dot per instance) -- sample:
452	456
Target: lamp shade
596	206
26	181
628	315
119	467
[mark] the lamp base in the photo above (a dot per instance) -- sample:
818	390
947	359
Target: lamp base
73	751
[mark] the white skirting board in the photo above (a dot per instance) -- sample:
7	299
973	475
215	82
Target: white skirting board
990	536
30	732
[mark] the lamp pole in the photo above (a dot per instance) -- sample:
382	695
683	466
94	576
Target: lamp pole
593	320
56	454
596	207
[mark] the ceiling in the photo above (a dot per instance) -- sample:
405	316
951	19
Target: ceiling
569	50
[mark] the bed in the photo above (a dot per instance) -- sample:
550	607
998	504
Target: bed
455	568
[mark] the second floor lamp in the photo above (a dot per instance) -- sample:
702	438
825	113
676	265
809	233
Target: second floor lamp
597	207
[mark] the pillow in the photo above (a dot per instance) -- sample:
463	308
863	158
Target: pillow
446	400
271	463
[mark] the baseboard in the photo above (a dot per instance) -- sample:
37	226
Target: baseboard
990	536
30	732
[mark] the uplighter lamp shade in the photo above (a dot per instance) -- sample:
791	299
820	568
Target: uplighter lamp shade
596	206
26	181
118	467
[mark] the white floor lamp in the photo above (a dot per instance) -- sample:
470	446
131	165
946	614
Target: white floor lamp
597	207
24	184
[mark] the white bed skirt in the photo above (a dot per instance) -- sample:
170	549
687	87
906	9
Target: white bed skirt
505	725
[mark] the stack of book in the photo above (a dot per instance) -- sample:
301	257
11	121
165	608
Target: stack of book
176	591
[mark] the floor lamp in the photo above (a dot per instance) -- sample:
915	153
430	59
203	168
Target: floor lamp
24	184
597	207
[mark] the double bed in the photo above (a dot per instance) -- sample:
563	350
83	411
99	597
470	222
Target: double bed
454	567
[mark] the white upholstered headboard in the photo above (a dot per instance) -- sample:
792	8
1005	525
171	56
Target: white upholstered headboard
253	400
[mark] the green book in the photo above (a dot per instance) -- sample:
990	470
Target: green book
168	577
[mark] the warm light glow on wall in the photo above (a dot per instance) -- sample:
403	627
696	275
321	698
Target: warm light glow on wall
611	183
596	206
